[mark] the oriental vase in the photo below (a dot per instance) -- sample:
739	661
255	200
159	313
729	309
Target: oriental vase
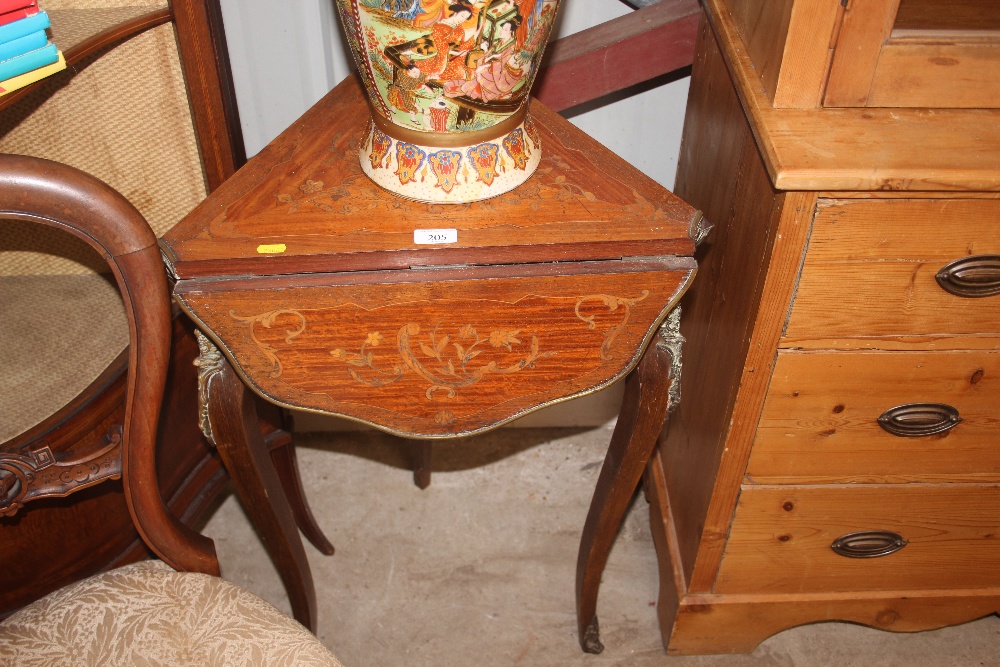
447	84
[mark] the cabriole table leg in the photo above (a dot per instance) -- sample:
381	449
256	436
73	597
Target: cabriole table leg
287	465
232	414
650	390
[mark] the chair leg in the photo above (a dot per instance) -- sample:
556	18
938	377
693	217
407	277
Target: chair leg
236	430
286	463
644	409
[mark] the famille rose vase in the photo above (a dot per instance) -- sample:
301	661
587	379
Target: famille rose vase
448	84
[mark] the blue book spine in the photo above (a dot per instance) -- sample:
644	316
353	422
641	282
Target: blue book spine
16	47
28	61
22	27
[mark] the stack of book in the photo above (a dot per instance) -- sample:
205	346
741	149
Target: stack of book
26	54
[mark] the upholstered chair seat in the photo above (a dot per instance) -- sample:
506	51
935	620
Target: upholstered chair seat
68	330
147	614
153	612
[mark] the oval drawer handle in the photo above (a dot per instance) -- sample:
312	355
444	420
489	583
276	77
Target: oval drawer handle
868	544
913	420
974	276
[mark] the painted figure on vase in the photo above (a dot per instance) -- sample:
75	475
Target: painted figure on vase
497	74
479	55
443	47
452	67
401	92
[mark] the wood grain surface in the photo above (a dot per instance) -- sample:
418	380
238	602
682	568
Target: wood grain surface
775	452
750	619
201	40
819	422
805	62
439	352
870	269
719	169
831	149
952	75
916	54
733	314
955	16
763	26
306	193
865	26
709	623
781	536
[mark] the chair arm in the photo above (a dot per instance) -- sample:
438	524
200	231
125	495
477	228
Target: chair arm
53	194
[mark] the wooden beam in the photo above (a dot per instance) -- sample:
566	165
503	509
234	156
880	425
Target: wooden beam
614	55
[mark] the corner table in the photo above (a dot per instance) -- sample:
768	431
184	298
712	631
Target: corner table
317	290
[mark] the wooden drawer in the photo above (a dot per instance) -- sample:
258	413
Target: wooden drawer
781	539
820	418
870	269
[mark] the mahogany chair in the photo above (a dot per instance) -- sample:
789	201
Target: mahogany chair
214	618
146	106
39	191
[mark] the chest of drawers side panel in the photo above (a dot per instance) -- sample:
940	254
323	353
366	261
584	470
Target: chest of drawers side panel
732	315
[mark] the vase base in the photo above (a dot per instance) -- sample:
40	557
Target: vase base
454	175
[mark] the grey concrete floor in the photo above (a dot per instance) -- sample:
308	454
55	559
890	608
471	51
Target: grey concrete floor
479	569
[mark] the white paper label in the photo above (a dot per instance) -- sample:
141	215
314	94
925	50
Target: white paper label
426	236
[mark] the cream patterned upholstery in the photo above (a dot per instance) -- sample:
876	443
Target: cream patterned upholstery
147	615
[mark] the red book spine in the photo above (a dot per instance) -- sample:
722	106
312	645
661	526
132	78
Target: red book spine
19	13
12	5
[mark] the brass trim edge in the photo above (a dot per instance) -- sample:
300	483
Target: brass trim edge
653	331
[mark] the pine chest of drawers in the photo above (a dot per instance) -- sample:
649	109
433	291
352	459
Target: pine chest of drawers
836	454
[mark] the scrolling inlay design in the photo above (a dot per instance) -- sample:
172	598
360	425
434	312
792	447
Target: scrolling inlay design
613	303
267	319
453	367
446	361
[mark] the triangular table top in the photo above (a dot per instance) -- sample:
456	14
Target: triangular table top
303	205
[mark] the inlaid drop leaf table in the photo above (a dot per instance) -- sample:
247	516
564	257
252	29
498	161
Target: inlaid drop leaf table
326	293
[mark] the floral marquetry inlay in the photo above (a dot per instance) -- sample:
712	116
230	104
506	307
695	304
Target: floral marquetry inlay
442	352
448	364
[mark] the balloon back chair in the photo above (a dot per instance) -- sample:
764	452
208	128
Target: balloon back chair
151	612
146	106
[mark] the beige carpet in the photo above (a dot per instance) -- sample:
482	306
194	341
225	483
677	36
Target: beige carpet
479	568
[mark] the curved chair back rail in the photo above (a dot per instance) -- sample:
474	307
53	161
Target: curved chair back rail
53	194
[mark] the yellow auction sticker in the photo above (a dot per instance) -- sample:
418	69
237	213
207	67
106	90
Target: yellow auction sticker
271	248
